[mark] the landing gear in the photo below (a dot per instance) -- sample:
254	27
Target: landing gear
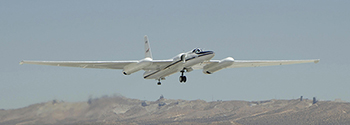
159	83
182	77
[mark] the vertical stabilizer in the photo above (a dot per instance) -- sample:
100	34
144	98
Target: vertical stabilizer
148	52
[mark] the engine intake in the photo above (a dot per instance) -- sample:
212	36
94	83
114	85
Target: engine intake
183	58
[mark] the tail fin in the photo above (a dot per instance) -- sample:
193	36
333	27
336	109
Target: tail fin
148	52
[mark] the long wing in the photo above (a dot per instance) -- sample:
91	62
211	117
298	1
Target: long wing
84	64
98	64
256	63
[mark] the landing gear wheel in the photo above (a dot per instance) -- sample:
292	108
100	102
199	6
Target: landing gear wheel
183	79
159	83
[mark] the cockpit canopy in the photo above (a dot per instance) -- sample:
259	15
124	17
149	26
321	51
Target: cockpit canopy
197	50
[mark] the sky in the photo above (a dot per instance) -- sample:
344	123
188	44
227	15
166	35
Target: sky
87	30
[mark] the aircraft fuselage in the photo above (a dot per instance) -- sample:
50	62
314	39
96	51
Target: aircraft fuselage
183	61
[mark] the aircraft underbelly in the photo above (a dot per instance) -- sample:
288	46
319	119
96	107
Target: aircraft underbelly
163	73
159	74
166	73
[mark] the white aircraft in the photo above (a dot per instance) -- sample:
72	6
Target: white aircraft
183	62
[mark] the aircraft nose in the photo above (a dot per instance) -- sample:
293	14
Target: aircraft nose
211	53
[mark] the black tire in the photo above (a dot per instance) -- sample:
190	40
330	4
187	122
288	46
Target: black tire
181	79
184	79
159	83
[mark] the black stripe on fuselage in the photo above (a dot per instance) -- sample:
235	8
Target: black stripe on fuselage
199	55
172	64
162	69
152	74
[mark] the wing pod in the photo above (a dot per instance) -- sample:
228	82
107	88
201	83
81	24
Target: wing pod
134	67
214	67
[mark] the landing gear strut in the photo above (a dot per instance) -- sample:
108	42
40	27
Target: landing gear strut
182	77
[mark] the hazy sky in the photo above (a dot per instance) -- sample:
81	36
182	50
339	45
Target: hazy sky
114	30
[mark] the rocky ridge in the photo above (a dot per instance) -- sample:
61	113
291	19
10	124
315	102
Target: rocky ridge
122	110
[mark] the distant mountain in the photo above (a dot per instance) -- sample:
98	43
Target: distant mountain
121	110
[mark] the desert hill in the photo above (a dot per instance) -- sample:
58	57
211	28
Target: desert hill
122	110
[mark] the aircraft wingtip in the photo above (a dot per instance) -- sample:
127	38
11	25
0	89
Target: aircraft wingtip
21	62
316	61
